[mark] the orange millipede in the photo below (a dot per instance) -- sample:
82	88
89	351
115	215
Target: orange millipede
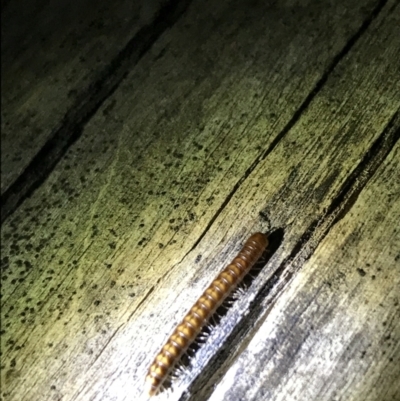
187	331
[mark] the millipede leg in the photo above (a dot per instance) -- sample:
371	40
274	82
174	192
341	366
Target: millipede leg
187	332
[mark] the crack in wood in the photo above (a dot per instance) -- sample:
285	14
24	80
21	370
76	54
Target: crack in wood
203	384
296	115
87	104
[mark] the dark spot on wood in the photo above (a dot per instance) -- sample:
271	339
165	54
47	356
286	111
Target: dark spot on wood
109	107
177	155
142	241
97	302
197	145
361	272
97	318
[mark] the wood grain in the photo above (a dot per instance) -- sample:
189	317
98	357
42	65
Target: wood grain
60	60
233	111
335	332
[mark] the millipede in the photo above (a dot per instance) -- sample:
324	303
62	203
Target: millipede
198	316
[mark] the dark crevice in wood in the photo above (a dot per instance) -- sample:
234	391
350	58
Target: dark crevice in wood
202	386
366	168
321	82
296	115
88	102
275	239
343	202
143	300
104	347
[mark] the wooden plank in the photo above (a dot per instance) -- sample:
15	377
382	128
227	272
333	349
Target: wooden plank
291	197
335	332
105	251
59	61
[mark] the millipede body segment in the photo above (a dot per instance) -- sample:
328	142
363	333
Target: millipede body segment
187	331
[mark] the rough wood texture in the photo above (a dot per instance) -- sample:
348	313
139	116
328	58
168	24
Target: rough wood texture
278	107
335	332
60	60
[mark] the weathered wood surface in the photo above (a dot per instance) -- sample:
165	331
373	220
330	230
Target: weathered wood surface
59	61
275	107
334	333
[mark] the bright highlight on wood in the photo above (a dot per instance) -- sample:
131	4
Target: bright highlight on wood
187	331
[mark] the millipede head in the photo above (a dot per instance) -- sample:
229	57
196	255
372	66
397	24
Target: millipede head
260	239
